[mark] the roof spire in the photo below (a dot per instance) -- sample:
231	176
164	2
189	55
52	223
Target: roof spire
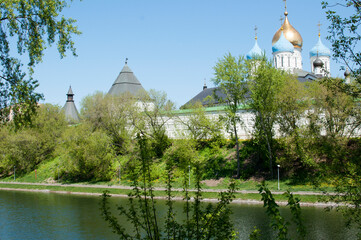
286	13
205	85
70	95
70	111
255	32
319	28
281	19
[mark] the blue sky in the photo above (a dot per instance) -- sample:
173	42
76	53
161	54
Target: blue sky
171	45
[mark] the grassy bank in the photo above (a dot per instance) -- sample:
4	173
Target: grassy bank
158	193
47	173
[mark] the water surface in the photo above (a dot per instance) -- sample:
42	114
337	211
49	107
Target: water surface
34	215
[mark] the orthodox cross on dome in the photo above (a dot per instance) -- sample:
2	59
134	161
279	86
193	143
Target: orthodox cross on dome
205	84
319	28
285	5
255	31
281	19
126	61
286	13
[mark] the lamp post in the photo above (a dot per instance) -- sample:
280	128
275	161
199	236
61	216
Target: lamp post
278	173
119	174
189	176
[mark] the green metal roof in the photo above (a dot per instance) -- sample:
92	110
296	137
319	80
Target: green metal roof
210	109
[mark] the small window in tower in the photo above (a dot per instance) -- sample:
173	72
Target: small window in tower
296	62
289	61
275	62
282	61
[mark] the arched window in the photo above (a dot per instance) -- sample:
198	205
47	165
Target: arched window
282	61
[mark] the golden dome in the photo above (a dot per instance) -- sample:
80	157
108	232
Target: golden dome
290	33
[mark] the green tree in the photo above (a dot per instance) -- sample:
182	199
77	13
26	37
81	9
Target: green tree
293	105
29	146
344	33
199	126
111	114
334	113
152	111
265	83
28	27
230	74
334	123
86	155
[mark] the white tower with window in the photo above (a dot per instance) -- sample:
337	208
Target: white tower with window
321	52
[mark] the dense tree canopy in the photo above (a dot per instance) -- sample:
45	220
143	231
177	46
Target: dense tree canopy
28	27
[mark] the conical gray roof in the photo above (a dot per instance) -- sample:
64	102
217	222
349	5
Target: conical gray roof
126	82
70	92
71	113
69	109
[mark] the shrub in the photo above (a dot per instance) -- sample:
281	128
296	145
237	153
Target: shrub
86	155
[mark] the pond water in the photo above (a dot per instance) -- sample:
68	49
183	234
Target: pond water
29	215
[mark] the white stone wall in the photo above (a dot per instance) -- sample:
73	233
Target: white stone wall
177	130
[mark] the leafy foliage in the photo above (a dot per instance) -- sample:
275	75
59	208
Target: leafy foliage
345	37
265	84
32	25
278	223
150	116
110	114
334	113
85	155
200	223
230	76
205	130
344	33
28	147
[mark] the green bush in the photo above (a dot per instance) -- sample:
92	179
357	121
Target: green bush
86	155
24	150
30	146
217	165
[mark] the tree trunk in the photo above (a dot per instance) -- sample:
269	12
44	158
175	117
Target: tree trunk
268	144
237	151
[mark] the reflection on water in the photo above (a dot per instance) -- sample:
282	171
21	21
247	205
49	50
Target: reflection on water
27	215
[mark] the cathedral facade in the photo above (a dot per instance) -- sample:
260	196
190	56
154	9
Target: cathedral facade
287	49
